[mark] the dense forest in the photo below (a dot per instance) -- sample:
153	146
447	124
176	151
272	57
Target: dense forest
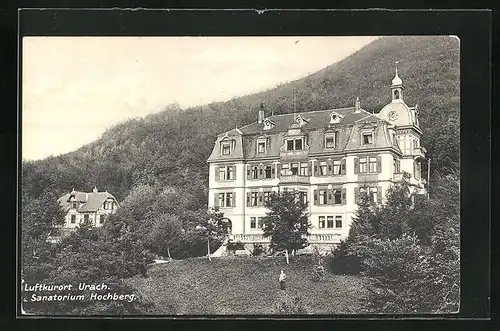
168	150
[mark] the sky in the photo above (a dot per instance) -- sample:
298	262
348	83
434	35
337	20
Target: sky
74	88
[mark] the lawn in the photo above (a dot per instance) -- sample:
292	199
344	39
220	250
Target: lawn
245	285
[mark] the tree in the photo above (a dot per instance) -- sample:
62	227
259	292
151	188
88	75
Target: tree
166	230
213	227
286	222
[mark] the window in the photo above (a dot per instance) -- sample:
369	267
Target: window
322	168
367	138
303	196
337	169
321	222
372	164
226	148
396	94
373	194
267	196
295	168
285	169
396	165
86	217
261	146
322	197
74	205
418	170
229	199
338	221
73	219
362	165
255	172
254	199
259	222
101	219
304	167
253	222
221	200
294	144
337	197
331	140
329	221
268	171
222	173
415	143
230	173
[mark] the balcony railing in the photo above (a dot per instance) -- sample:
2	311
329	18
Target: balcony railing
293	179
294	155
313	238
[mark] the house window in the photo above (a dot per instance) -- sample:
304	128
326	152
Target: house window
331	140
303	197
268	171
74	205
230	173
226	200
254	199
226	148
415	143
295	168
73	219
294	144
285	169
101	219
255	172
86	217
337	167
221	200
222	173
373	194
396	94
367	138
267	196
229	200
261	146
253	222
322	197
338	221
259	222
322	168
304	169
329	221
321	222
372	164
337	197
362	165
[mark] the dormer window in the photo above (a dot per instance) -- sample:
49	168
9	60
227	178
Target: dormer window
335	118
367	138
261	145
396	94
226	148
74	205
294	144
268	124
331	140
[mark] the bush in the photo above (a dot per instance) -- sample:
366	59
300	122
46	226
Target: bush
404	279
258	250
290	306
235	246
344	261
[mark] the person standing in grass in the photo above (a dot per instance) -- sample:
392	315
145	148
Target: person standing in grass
282	280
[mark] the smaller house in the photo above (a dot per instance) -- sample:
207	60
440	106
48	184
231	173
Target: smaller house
82	206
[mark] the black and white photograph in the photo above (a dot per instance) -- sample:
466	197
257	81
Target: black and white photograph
240	175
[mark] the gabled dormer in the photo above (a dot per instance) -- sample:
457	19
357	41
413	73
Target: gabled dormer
335	117
268	124
227	146
301	121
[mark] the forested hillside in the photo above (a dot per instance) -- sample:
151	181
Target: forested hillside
169	149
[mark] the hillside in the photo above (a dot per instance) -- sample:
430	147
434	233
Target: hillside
170	148
245	286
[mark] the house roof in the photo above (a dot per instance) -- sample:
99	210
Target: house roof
90	201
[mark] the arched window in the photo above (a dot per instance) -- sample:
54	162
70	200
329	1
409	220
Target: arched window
396	94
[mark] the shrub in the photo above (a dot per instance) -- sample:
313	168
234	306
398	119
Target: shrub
343	260
235	246
257	250
290	306
404	279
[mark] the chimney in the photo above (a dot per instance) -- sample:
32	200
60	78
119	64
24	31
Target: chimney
261	113
357	106
95	189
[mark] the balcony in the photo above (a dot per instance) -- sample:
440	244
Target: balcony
420	151
294	179
294	155
326	238
249	238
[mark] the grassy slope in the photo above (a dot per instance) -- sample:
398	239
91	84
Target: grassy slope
245	286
